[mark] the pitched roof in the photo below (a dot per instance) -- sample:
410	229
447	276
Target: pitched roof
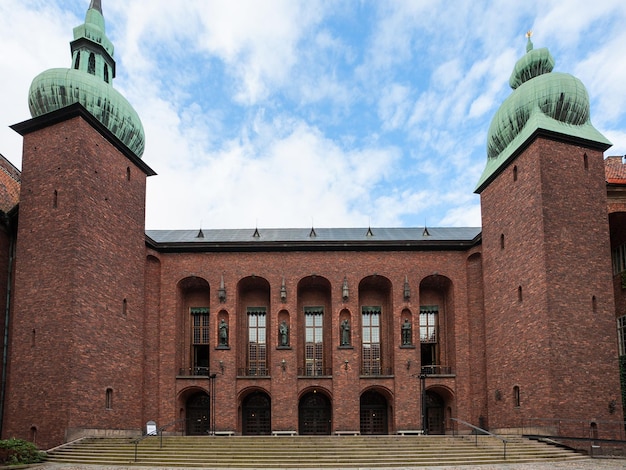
314	239
615	170
10	183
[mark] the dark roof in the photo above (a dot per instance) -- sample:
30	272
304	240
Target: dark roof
10	182
318	239
615	170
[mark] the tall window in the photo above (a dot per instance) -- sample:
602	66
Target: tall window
314	345
91	66
429	336
371	341
257	341
621	335
200	340
619	259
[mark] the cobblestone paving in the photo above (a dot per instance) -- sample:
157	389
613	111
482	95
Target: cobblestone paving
584	464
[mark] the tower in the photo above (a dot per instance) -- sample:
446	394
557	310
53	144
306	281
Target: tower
76	331
550	332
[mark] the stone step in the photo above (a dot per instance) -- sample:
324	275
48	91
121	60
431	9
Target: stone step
305	451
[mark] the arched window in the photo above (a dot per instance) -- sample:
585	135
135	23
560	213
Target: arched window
106	73
77	61
516	397
586	161
502	241
515	173
91	67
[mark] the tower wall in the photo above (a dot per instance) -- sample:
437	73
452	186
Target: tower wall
76	333
548	296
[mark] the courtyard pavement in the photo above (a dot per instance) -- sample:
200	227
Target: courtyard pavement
583	464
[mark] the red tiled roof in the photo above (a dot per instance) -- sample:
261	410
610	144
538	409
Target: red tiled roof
10	182
615	170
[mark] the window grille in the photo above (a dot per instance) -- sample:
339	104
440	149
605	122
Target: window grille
257	341
314	343
371	347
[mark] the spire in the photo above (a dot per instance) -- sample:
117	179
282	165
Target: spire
89	82
96	5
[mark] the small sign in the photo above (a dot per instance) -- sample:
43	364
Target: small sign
151	428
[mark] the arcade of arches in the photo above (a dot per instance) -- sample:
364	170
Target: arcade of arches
314	413
316	347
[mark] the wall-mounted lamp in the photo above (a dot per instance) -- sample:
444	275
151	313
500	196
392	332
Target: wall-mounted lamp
283	365
345	292
407	289
222	367
221	292
345	364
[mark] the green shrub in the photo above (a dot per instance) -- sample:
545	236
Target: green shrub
17	451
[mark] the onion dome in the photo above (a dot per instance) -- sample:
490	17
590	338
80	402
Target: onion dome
88	82
541	99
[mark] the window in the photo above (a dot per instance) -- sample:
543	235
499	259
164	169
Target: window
200	340
106	73
91	66
108	399
257	341
619	259
371	341
77	61
516	396
314	343
621	335
429	337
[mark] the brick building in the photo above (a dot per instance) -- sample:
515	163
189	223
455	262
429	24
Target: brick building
315	331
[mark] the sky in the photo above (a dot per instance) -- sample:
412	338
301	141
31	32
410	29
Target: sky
337	113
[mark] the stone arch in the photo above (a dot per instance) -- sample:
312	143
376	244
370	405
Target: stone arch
437	324
375	292
439	408
314	411
255	411
314	322
375	410
194	403
193	296
254	302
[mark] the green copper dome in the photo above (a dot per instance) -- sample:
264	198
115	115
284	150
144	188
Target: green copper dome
541	99
88	82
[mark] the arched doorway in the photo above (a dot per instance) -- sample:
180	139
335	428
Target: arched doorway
373	413
198	414
434	413
314	414
256	414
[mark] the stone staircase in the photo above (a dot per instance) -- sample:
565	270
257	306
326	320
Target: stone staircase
306	451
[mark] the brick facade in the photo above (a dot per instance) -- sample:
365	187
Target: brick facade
102	326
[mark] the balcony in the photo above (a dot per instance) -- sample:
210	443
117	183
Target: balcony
194	372
253	372
315	372
435	369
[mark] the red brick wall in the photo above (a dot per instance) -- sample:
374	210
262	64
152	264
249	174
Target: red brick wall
80	253
384	285
550	342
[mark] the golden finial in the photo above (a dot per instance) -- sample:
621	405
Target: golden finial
529	44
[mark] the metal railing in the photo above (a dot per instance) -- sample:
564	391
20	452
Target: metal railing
158	432
194	371
478	431
254	372
436	369
315	372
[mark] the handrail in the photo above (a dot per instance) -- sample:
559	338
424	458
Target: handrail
482	431
159	432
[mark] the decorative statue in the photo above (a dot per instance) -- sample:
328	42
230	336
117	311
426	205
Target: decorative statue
345	332
283	333
223	327
406	333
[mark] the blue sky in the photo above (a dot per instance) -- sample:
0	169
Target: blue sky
333	113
